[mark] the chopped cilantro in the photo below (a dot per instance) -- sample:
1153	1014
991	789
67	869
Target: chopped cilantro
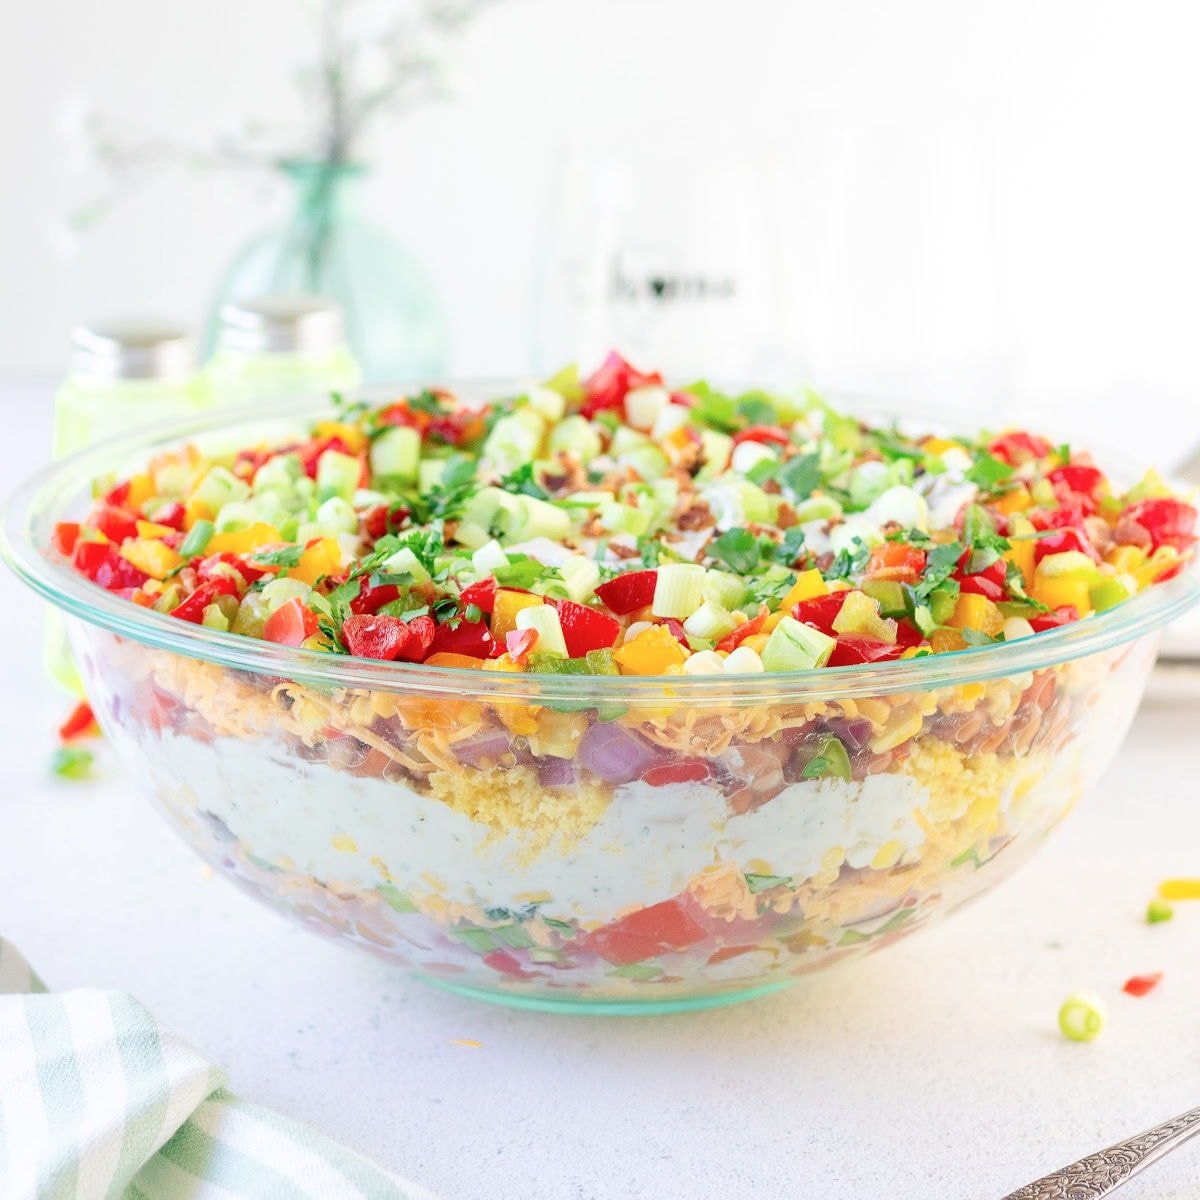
849	561
801	475
940	564
762	883
282	556
738	549
522	482
523	572
988	472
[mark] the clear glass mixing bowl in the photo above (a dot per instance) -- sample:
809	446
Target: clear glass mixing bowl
589	843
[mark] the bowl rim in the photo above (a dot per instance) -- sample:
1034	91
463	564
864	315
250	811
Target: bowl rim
28	516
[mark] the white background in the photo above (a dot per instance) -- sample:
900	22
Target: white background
1078	118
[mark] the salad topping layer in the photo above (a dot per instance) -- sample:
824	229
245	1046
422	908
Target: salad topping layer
612	525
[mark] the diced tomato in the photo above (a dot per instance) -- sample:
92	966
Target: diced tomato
371	599
585	628
102	563
1169	522
612	381
1052	620
1076	477
376	636
854	648
629	592
310	452
171	515
1020	447
1068	515
897	561
989	582
118	495
66	534
291	623
192	607
383	519
908	634
686	770
647	933
459	427
115	523
730	643
761	434
80	724
472	638
1061	541
1139	985
481	594
821	611
216	566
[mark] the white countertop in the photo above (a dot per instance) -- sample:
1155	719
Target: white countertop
934	1070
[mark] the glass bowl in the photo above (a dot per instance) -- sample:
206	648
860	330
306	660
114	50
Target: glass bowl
589	843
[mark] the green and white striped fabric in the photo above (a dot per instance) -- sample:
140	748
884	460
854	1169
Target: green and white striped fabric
98	1101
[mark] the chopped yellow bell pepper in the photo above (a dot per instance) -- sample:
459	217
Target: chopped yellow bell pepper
508	604
808	586
141	488
943	640
939	445
650	653
243	541
152	529
972	611
351	435
152	556
444	658
1060	591
756	642
196	510
1157	565
321	557
1126	558
1016	500
1179	889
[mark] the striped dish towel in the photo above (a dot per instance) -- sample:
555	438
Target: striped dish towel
98	1101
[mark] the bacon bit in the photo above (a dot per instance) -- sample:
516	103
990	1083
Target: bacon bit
622	551
695	515
1139	985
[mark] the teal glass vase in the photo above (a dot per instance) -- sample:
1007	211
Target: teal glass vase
394	324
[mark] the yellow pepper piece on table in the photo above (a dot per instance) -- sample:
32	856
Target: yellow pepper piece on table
650	653
1179	889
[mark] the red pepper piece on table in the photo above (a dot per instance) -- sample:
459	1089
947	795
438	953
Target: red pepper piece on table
81	723
66	534
1139	985
629	592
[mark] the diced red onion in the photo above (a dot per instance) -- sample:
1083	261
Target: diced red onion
484	748
555	772
615	754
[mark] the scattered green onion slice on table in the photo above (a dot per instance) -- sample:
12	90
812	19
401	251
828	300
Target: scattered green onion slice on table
1082	1017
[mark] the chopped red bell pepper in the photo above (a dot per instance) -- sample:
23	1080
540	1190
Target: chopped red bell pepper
1169	522
1020	447
291	623
192	607
821	611
102	563
749	628
908	634
66	534
371	599
80	724
1068	515
506	964
1076	477
855	648
171	515
629	592
310	452
1139	985
216	566
762	434
472	638
116	496
585	628
686	770
1052	620
482	594
383	519
1062	540
612	381
660	929
115	523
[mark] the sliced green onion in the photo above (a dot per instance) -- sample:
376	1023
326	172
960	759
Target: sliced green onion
575	435
338	474
1158	911
219	487
580	576
403	562
723	589
643	405
197	538
678	590
515	440
709	621
624	518
794	646
544	619
829	762
1082	1017
547	401
72	762
489	557
529	517
279	591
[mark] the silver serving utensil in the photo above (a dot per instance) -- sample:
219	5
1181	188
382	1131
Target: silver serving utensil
1100	1174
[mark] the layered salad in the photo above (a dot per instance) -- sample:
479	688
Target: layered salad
577	838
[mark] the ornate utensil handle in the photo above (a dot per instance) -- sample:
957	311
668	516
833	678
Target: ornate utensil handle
1100	1174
